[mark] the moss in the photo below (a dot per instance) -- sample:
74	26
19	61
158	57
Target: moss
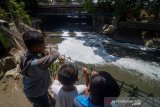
4	41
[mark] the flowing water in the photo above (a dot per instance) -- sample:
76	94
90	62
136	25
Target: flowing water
123	61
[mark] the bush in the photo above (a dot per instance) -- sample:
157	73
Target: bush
18	12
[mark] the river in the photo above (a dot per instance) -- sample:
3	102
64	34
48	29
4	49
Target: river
91	49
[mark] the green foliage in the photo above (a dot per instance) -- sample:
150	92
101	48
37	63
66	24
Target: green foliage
29	4
18	12
54	68
132	10
119	8
14	10
2	13
89	6
4	41
155	9
129	10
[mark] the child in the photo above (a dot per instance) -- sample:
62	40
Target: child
34	68
103	89
63	89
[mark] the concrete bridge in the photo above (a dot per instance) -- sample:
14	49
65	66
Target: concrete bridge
65	8
66	13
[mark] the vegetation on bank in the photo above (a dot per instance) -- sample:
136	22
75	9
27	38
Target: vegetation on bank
129	10
14	10
4	42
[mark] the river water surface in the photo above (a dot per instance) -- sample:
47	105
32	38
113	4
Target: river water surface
106	54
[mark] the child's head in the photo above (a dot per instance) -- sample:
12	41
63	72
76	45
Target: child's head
34	41
103	85
67	74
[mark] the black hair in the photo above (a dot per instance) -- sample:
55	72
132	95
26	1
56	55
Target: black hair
67	74
32	38
103	85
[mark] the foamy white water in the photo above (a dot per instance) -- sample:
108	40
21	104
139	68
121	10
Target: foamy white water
88	49
77	51
146	68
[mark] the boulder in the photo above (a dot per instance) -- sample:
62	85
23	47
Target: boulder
108	30
9	63
11	73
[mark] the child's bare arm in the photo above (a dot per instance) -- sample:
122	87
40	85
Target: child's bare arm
86	74
92	74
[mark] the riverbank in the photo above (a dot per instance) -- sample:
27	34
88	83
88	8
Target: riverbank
147	34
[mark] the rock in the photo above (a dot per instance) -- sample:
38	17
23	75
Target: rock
105	26
1	69
24	27
9	63
11	73
110	29
16	53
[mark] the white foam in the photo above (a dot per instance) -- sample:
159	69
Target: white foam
147	68
77	51
66	34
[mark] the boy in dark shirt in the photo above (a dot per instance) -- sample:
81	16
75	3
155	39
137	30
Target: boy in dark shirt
34	68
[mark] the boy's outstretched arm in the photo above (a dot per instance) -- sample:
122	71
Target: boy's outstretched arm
47	60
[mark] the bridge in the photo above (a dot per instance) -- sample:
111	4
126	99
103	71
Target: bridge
61	9
64	14
66	8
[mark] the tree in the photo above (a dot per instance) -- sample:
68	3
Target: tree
17	10
11	10
89	6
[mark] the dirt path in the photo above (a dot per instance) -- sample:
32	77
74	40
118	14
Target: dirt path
11	94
